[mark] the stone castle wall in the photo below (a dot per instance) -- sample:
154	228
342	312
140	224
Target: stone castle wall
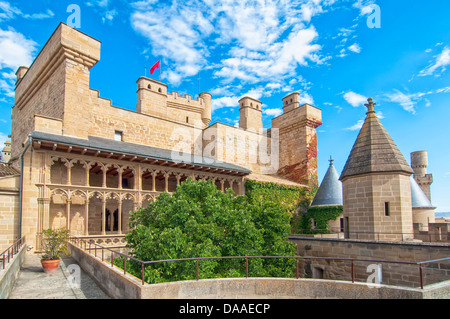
392	274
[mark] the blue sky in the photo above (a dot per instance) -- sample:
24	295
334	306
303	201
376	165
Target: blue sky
323	49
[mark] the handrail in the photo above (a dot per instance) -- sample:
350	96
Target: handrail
11	250
338	231
197	259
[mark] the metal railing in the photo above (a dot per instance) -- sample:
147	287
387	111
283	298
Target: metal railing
431	236
88	247
8	254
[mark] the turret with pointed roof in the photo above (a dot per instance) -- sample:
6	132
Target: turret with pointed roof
330	190
376	185
374	150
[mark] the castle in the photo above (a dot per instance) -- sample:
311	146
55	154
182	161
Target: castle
77	161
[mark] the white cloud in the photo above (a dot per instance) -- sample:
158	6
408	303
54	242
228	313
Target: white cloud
440	62
109	15
8	12
356	127
40	16
408	101
355	48
355	99
254	40
273	112
305	98
15	49
365	6
225	101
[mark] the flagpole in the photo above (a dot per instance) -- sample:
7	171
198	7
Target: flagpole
160	67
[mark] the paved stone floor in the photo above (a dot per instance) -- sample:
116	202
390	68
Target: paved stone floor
34	283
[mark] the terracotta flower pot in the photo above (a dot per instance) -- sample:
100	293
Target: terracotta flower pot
50	265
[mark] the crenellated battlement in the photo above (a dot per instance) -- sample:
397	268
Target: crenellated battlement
153	99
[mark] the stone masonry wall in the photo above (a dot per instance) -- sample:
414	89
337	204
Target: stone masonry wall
9	205
392	274
298	143
365	215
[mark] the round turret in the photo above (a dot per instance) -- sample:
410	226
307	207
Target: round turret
206	114
419	162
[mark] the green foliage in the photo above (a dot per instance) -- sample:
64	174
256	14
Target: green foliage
200	221
54	243
321	215
294	200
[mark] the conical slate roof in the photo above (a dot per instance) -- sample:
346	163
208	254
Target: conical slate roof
330	190
418	197
374	150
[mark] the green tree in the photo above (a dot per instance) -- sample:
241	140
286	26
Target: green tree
200	221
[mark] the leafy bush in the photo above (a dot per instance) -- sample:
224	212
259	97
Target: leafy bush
200	221
54	243
321	215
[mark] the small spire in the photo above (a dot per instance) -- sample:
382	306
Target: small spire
331	160
370	105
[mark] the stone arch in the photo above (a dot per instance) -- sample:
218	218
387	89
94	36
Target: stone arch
96	172
58	170
95	201
146	199
128	176
58	208
78	174
112	175
128	205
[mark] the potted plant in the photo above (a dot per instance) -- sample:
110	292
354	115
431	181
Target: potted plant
54	243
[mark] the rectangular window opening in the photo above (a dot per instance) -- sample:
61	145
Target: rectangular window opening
118	136
386	209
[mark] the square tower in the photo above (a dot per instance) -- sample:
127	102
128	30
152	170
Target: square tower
250	114
376	186
296	129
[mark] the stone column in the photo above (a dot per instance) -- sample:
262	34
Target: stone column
86	217
120	170
138	178
103	216
68	164
87	167
104	170
154	180
119	216
46	213
166	182
68	214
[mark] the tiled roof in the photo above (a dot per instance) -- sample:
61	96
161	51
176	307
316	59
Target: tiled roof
374	150
6	170
330	190
418	197
110	145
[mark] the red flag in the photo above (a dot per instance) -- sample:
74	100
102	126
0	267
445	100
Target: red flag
156	66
